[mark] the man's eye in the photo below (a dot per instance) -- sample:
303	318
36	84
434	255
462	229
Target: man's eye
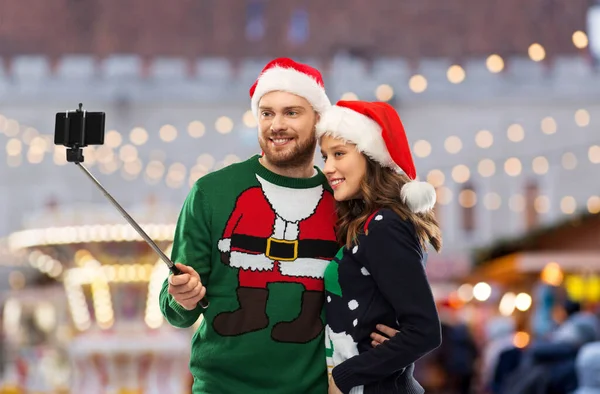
338	154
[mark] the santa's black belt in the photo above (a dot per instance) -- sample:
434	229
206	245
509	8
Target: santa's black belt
284	250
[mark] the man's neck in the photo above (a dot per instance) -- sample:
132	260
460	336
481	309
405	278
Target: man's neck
303	171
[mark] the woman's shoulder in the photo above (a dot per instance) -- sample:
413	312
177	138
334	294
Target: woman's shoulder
386	219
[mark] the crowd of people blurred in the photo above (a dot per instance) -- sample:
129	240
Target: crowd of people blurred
566	360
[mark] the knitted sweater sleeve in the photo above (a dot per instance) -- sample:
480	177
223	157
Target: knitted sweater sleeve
394	258
192	246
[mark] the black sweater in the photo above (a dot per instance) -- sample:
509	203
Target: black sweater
380	280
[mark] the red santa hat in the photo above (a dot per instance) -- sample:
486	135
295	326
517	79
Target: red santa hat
286	75
377	131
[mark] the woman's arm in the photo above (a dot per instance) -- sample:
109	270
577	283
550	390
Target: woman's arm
393	256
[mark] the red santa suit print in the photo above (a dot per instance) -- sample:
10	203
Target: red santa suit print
278	234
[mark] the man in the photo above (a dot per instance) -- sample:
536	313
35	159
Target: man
258	235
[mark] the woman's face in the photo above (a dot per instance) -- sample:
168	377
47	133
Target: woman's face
345	167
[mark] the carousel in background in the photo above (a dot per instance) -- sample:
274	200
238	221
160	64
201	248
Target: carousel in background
100	321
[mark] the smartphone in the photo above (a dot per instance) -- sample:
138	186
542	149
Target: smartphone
79	128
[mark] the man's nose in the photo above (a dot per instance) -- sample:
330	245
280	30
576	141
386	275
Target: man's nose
278	123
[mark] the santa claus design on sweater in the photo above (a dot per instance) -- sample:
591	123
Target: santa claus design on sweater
278	234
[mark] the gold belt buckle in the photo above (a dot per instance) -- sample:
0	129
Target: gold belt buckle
271	240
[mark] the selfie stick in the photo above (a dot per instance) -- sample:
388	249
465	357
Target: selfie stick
75	155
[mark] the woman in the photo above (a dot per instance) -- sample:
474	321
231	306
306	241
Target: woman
385	221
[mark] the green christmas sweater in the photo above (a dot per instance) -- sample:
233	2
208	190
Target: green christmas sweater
260	243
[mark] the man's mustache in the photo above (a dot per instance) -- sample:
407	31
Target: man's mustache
278	135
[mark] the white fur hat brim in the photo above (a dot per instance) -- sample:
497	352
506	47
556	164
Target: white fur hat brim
356	128
291	81
364	132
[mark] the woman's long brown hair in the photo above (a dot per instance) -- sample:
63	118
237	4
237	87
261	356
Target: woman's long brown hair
380	188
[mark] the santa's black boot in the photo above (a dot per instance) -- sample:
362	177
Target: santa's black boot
252	315
307	326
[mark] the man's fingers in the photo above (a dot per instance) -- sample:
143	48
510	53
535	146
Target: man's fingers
183	282
178	280
195	292
192	303
387	331
378	338
374	344
186	270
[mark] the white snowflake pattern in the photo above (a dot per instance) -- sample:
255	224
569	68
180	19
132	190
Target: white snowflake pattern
355	249
364	271
379	217
353	304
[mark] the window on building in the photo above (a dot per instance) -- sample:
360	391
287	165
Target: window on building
299	28
467	199
531	213
255	20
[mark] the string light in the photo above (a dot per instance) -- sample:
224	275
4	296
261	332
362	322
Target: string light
224	125
484	139
436	178
582	118
453	144
113	139
417	83
541	204
461	173
540	165
384	92
536	52
349	96
444	195
548	125
467	198
593	204
486	168
138	136
580	39
494	63
168	133
492	201
196	129
569	161
512	166
568	205
249	119
422	148
515	133
456	74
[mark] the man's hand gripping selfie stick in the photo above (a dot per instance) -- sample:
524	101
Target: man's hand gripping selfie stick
75	155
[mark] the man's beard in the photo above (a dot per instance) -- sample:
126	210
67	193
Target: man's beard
302	154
